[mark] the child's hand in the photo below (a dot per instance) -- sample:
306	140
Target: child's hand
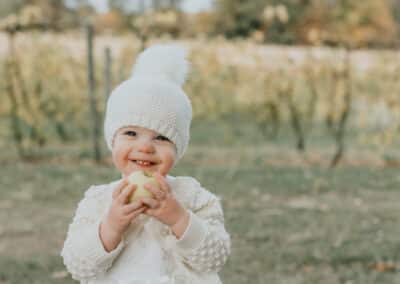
165	207
120	215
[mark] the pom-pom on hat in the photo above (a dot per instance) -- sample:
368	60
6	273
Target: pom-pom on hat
153	97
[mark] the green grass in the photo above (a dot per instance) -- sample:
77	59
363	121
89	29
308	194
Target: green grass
291	221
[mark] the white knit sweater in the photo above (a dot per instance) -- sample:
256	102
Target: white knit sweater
149	253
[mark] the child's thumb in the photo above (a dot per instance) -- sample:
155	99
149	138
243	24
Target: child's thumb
127	192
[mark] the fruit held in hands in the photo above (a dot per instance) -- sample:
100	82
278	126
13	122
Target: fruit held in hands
140	178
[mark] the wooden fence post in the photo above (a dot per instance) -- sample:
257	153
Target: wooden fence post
107	72
92	94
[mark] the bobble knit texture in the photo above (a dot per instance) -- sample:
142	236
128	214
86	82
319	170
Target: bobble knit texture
199	255
153	97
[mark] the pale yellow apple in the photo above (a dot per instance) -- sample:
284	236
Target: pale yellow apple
140	178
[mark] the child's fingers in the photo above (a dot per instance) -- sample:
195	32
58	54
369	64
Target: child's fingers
127	209
151	212
162	182
135	213
158	193
119	188
150	202
123	197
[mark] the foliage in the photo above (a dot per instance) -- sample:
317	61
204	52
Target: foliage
360	24
110	21
9	7
329	22
238	18
299	87
157	23
336	22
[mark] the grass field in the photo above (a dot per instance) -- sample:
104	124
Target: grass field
292	220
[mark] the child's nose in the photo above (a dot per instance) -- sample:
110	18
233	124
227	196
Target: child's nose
146	146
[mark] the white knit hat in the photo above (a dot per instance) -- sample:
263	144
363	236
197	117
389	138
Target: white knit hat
153	97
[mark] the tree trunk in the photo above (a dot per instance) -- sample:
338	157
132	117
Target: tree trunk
295	117
15	123
340	131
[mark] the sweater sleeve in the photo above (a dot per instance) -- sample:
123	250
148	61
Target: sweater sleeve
205	244
83	252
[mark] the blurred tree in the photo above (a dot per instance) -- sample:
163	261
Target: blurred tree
199	24
118	5
78	16
396	9
366	23
77	4
348	22
66	14
156	5
58	15
174	4
396	15
238	17
10	7
145	18
359	23
112	20
332	22
143	5
53	9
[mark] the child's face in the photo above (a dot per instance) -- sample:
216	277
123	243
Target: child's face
136	148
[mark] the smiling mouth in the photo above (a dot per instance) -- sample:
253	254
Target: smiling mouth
143	163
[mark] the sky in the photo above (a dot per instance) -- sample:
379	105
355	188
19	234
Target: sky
190	6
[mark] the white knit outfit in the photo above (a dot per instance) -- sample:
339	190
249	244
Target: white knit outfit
149	253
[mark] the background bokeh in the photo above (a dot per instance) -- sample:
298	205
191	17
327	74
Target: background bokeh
296	128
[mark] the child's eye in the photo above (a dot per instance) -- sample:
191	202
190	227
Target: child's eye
162	138
130	133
